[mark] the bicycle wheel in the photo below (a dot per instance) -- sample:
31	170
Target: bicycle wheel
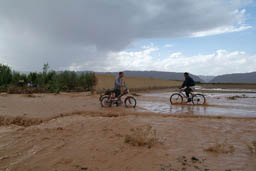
101	96
130	101
106	102
198	99
176	98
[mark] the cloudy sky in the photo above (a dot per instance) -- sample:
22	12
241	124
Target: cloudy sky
202	37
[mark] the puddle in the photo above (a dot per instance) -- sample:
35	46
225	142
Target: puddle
218	104
226	90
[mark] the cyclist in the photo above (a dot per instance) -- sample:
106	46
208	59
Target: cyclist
118	84
188	83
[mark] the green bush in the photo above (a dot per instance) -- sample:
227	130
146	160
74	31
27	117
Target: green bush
46	81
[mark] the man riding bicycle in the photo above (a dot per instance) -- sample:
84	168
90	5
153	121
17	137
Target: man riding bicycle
188	83
119	83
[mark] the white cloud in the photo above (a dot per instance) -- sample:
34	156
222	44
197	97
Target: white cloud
168	45
220	62
221	30
238	25
70	33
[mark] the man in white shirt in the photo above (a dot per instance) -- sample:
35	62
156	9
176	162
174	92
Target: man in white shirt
118	84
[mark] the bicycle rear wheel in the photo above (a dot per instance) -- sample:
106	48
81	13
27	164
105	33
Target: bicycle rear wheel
198	99
130	101
106	102
176	98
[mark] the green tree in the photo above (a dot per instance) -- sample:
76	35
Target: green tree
33	77
46	68
5	75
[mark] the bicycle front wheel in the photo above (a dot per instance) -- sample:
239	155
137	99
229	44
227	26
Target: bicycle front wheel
130	101
176	98
106	102
198	99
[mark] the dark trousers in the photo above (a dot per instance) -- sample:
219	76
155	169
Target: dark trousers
188	90
117	92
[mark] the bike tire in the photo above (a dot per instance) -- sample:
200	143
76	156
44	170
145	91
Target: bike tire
101	96
176	97
130	102
106	102
198	99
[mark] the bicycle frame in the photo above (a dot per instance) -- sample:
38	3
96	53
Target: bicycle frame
124	92
183	94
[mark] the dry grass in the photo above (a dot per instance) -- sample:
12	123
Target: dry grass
19	120
222	147
236	97
134	83
135	94
3	94
142	136
24	90
232	97
252	147
31	95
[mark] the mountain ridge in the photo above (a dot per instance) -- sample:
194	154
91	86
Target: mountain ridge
249	77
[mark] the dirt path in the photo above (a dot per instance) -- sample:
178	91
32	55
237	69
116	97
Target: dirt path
76	137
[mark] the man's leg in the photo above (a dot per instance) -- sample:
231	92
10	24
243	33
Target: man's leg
188	91
117	93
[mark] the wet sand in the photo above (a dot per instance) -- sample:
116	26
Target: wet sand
75	133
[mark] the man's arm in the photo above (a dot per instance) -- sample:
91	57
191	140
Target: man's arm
184	83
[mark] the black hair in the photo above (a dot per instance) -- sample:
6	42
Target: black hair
120	73
186	73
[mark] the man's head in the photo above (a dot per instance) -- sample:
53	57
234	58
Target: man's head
121	74
186	74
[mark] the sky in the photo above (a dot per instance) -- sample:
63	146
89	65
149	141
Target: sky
212	37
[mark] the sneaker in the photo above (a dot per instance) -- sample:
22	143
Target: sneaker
189	100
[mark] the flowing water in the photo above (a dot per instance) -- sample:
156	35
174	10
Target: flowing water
242	103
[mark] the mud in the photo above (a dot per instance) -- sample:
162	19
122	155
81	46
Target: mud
71	132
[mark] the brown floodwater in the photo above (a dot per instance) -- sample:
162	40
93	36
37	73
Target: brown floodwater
77	134
217	104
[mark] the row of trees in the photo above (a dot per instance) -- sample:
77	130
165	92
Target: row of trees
47	81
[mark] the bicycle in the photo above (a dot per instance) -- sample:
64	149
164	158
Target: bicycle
110	99
106	92
196	98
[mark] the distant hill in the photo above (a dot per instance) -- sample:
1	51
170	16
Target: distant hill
206	78
156	74
235	78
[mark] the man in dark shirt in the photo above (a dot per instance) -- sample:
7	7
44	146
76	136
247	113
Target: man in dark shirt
188	83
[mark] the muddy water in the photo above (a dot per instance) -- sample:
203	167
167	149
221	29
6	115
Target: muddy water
218	104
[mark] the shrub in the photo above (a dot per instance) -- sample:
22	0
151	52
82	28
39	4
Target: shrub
223	147
252	147
142	136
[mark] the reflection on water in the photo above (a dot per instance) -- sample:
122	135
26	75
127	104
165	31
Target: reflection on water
219	104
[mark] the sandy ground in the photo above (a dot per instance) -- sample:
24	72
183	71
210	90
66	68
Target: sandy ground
70	131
